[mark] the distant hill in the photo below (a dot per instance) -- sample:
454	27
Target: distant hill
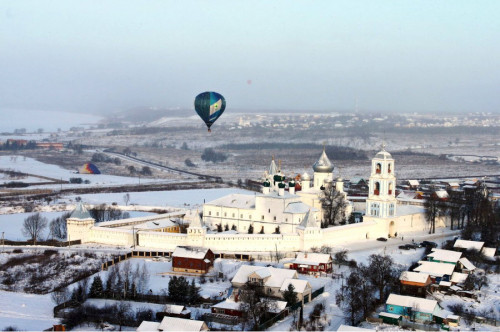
147	114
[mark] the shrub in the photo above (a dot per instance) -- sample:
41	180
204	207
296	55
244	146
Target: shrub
17	251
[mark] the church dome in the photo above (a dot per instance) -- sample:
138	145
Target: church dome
382	154
306	177
323	165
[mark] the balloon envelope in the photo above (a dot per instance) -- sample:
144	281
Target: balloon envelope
209	106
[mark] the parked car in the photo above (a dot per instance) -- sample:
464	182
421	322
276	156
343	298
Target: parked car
404	247
382	239
429	244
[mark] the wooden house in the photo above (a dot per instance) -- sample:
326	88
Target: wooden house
311	263
413	308
192	259
414	283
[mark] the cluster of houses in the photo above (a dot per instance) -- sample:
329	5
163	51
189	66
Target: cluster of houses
444	270
274	282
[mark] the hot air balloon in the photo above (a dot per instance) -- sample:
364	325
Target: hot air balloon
209	106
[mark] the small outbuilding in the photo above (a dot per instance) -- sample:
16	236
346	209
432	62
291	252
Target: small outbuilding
192	259
389	318
310	263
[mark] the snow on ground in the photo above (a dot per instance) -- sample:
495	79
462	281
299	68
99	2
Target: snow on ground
12	224
33	166
177	198
27	312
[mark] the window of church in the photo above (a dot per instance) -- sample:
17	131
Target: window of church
274	218
262	217
389	168
233	215
377	188
269	210
217	214
241	216
225	214
391	209
209	213
378	168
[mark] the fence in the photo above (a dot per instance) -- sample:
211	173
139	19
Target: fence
317	292
273	320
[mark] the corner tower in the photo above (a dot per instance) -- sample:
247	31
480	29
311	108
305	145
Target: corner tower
79	224
381	202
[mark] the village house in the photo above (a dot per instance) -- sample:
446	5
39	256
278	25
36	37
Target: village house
438	271
192	259
413	308
233	307
173	310
173	324
414	283
274	281
311	263
444	256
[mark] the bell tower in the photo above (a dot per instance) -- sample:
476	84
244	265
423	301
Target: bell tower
381	200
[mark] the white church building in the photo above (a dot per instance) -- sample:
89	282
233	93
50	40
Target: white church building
281	217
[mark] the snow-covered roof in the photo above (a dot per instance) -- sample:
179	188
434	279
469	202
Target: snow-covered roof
466	244
298	207
467	264
423	305
197	221
299	285
308	221
445	283
435	269
240	201
148	326
155	224
458	278
227	304
190	252
442	194
488	252
390	315
80	212
445	255
181	324
275	194
174	309
347	328
414	277
312	258
263	273
277	276
278	307
413	182
406	210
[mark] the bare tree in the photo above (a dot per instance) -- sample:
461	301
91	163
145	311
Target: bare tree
254	303
60	296
34	226
349	298
334	205
383	273
433	209
58	227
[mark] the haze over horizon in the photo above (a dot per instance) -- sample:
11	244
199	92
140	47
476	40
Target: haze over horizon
390	56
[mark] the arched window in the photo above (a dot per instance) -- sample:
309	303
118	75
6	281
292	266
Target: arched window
378	168
377	188
389	168
390	188
391	209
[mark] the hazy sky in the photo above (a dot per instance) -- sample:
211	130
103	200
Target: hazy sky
302	55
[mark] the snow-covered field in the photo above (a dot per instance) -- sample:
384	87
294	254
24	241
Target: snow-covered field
28	312
32	166
12	224
177	198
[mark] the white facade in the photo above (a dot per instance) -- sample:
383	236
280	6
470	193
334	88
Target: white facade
297	215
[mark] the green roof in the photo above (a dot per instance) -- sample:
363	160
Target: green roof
80	212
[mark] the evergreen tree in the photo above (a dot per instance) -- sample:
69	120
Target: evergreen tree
194	292
262	230
219	228
250	229
226	227
233	228
290	296
178	289
96	289
108	291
